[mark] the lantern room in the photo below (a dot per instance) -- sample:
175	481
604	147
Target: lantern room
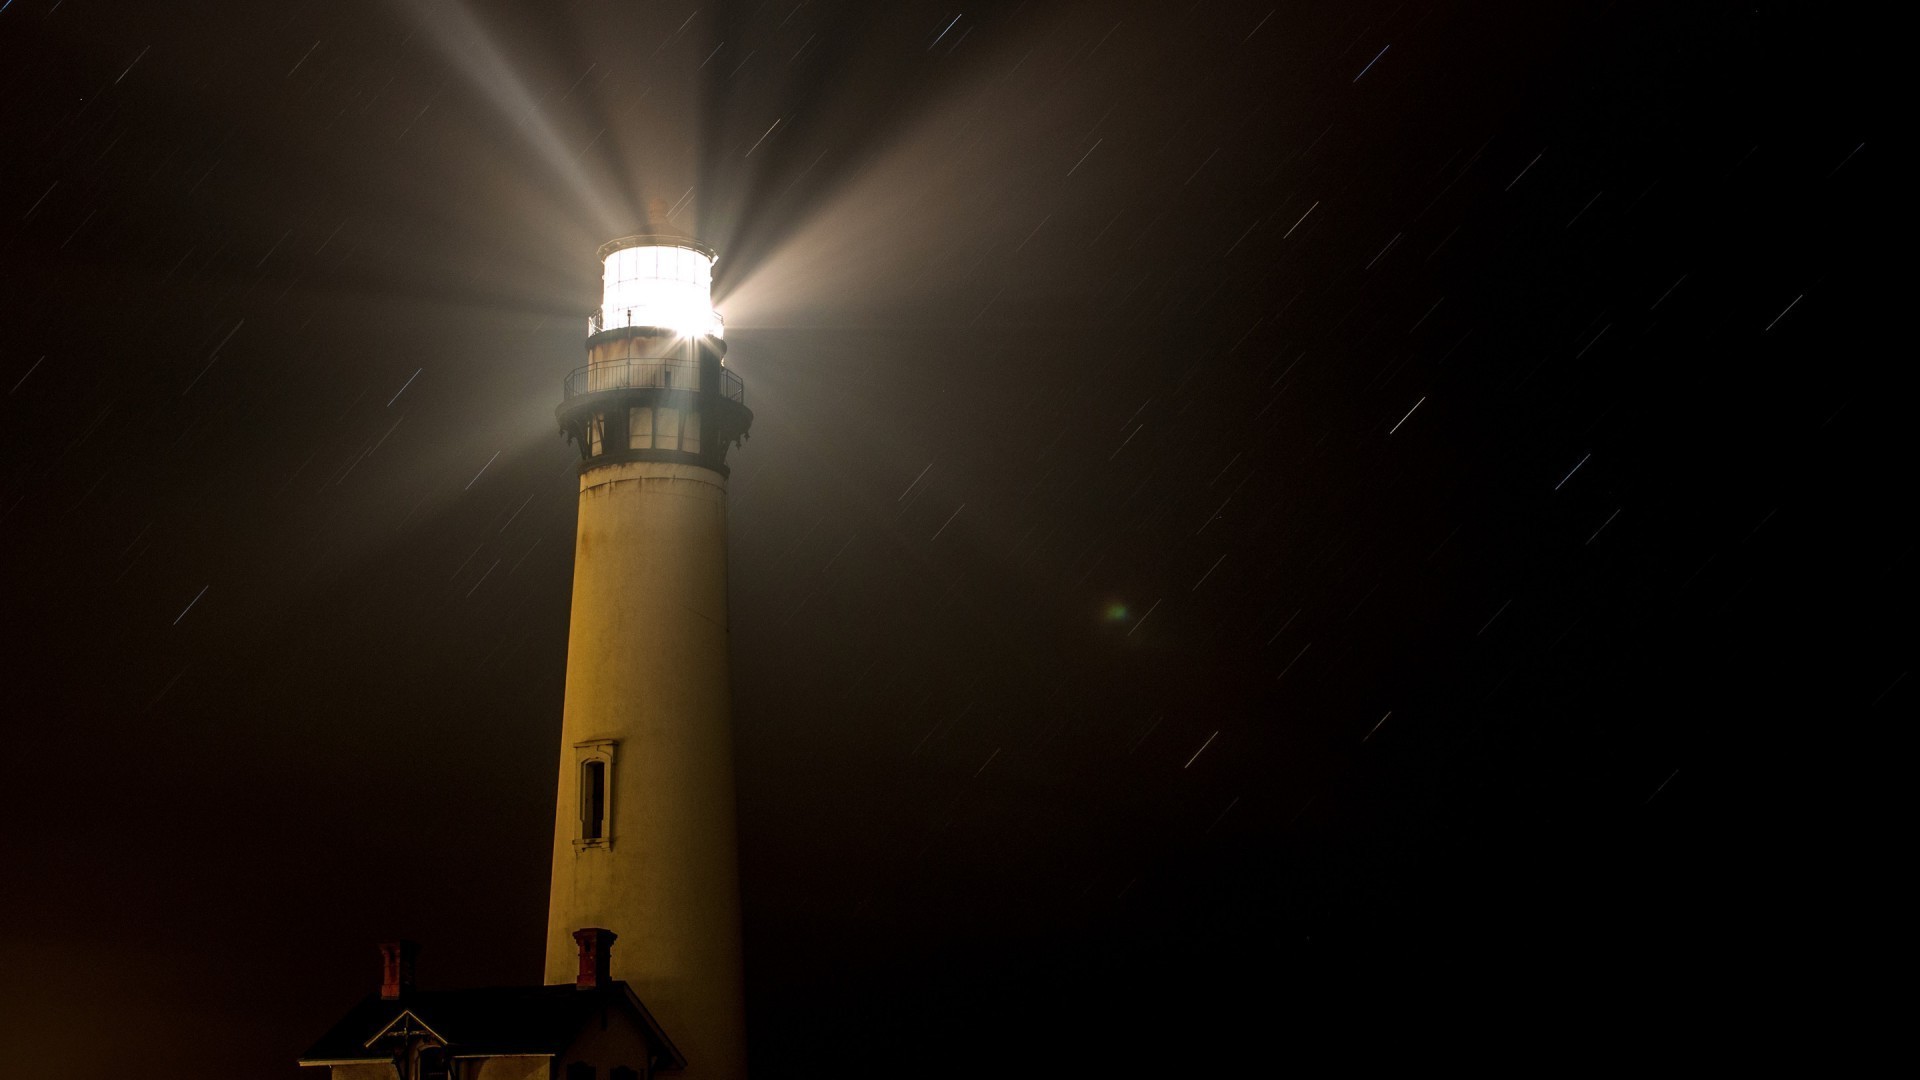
657	282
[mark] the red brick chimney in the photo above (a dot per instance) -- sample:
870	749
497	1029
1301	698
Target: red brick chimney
596	957
396	968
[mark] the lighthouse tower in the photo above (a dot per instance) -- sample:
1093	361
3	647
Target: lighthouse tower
643	840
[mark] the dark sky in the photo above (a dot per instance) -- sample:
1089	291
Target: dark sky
1261	519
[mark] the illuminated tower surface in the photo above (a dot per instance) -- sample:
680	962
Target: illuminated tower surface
643	839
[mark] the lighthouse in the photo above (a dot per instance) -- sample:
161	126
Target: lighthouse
644	841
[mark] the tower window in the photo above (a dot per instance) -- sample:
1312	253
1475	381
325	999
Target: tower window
593	800
596	434
640	428
593	769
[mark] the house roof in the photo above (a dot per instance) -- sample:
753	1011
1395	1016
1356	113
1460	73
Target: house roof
494	1020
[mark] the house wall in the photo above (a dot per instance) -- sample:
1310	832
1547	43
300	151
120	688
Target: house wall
375	1070
611	1040
512	1068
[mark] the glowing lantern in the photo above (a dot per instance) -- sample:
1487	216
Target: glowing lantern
656	281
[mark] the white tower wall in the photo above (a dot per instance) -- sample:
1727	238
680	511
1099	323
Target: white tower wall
647	679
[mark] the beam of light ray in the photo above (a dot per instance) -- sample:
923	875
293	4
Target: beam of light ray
896	216
466	45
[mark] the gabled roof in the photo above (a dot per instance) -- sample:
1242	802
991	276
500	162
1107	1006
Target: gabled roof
495	1020
405	1025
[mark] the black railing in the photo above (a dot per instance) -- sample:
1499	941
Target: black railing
649	372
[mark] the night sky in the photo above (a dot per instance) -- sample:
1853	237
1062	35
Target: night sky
1265	525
